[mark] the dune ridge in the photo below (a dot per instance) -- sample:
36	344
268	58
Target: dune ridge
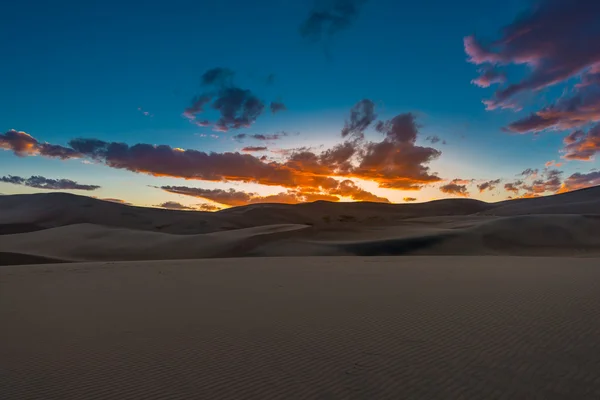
69	228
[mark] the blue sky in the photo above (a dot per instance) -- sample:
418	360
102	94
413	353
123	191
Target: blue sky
92	69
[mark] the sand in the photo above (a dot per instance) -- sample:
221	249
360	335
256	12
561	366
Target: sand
302	328
59	227
451	299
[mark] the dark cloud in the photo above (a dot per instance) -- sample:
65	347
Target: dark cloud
173	205
529	172
250	149
557	40
409	199
23	144
329	17
39	182
239	137
455	187
270	79
277	106
275	136
361	116
582	146
218	76
190	164
513	187
433	139
489	185
239	108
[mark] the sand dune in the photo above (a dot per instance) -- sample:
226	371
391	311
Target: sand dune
59	227
302	328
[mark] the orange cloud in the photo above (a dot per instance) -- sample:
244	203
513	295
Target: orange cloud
582	146
456	187
394	162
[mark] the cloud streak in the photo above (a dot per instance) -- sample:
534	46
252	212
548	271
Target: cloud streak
557	40
40	182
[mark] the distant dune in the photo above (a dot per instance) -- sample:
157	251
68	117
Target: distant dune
64	227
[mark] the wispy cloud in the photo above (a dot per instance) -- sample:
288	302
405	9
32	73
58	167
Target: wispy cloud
329	17
40	182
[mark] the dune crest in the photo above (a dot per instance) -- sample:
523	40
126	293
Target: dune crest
69	228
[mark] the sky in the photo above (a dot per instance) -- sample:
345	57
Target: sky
204	105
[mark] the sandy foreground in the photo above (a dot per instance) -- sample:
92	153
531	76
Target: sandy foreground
302	328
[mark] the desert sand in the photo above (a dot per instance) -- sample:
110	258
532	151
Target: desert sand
451	299
60	227
303	328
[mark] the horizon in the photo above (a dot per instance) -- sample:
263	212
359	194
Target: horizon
335	100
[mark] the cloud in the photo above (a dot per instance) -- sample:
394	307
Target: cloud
277	106
580	181
330	192
361	116
552	164
328	17
39	182
513	187
119	201
409	199
275	136
238	108
455	188
208	207
250	149
394	162
529	172
239	137
173	205
489	185
164	160
197	106
488	77
23	144
576	110
582	146
557	40
433	139
218	76
236	198
550	181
